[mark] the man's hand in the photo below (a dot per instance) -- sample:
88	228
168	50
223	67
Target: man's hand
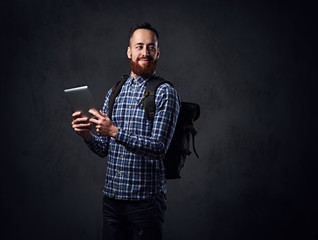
104	125
81	125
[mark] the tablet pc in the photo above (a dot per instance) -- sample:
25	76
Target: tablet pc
81	99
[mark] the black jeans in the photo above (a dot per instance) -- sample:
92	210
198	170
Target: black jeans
135	220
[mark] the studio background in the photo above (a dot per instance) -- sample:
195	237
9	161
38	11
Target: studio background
250	66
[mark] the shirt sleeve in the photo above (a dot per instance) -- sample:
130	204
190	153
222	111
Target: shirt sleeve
100	144
156	145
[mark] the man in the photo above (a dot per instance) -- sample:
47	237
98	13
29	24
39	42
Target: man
135	187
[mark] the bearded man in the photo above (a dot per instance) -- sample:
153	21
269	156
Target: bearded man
135	186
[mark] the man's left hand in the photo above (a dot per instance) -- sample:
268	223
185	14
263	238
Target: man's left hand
104	125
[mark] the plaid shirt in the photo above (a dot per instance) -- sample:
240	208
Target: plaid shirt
134	166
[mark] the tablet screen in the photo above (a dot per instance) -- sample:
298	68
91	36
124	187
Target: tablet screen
81	99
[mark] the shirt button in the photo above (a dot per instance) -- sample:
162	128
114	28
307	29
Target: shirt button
121	155
130	107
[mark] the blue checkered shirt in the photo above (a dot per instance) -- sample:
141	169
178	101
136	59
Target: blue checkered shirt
135	168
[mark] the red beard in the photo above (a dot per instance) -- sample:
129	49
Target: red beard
145	70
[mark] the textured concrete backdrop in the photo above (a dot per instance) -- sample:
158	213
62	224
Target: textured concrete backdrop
249	65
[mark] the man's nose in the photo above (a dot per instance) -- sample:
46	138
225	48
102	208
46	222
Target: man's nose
145	51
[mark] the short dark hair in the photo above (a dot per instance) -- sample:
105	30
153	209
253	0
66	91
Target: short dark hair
142	25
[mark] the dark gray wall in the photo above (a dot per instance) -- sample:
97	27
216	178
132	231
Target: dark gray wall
249	65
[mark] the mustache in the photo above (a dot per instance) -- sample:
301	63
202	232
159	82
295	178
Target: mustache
149	58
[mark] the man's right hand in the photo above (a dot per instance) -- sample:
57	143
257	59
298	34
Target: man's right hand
81	125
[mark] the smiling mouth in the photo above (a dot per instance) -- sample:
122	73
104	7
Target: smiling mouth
144	60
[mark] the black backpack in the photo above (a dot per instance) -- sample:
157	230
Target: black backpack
179	147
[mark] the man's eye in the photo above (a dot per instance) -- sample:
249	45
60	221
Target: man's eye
139	47
152	48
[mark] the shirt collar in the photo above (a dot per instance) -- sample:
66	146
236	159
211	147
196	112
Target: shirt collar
139	80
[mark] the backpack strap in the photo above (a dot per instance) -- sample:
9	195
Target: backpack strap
115	91
148	98
196	115
193	133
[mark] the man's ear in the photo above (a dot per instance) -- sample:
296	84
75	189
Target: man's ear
129	52
158	52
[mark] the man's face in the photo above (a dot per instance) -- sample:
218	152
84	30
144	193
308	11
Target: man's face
143	52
